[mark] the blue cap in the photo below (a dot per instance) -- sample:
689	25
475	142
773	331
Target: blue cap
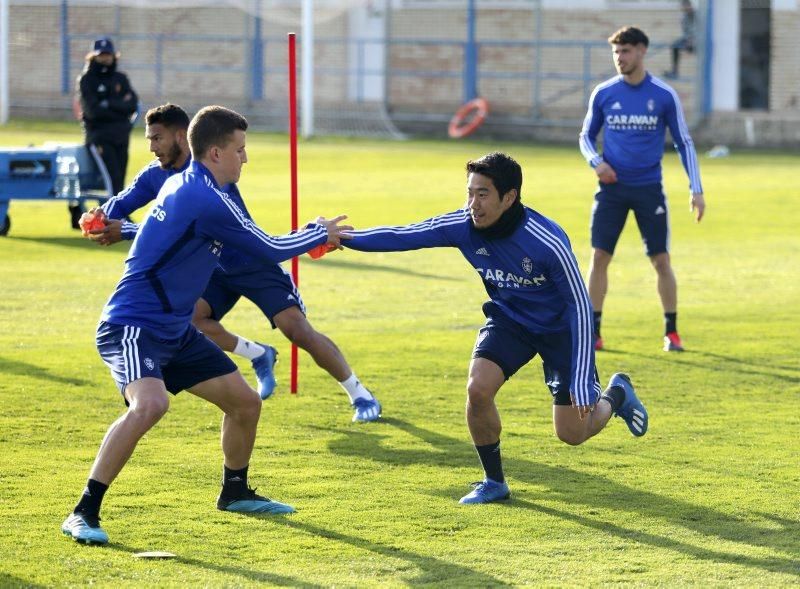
103	45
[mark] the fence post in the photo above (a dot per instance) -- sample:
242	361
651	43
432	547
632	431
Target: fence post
64	48
258	56
470	56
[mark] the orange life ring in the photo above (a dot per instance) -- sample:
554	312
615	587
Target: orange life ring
461	125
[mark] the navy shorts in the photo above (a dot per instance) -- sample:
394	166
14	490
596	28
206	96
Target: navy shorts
271	289
648	203
509	345
132	353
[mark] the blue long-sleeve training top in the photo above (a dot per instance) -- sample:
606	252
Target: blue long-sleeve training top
178	246
145	187
635	120
532	275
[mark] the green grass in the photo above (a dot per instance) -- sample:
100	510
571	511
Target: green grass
709	497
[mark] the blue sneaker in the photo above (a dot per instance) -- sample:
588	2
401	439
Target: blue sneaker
487	491
631	410
366	410
263	366
249	502
84	529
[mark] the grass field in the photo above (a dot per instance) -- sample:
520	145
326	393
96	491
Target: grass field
710	497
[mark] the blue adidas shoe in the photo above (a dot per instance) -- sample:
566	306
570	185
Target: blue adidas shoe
487	491
249	502
263	365
631	410
84	529
366	410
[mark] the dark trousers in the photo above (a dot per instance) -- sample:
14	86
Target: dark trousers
115	158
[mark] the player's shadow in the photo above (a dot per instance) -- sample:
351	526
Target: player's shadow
11	581
562	482
345	264
77	242
19	368
432	570
251	575
711	362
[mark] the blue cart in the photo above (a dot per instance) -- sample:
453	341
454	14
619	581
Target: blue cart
73	173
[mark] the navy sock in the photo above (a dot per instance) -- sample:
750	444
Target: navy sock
91	499
491	462
234	482
615	397
670	322
597	316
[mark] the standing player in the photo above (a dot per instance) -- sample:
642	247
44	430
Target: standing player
636	108
538	305
145	334
267	285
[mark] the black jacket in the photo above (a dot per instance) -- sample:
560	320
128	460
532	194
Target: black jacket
108	102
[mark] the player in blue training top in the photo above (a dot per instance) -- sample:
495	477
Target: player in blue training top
635	108
538	305
267	285
145	334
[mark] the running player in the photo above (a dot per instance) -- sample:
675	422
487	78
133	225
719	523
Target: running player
538	305
145	334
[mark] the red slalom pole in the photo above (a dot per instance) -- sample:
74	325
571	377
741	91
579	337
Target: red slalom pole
293	175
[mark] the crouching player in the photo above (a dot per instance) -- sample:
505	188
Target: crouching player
145	334
538	305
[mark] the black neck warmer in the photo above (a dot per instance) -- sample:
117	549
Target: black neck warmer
506	224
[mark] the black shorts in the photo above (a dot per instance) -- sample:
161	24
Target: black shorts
610	211
270	288
133	352
509	345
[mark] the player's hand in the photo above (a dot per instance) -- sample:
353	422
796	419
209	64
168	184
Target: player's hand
336	232
697	205
108	235
606	173
94	219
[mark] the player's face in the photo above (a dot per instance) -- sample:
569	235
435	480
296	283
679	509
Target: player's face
628	59
231	158
164	144
483	200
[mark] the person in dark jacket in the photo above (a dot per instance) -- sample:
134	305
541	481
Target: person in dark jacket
108	103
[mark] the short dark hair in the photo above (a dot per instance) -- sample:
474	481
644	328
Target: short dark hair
213	126
629	36
502	169
169	115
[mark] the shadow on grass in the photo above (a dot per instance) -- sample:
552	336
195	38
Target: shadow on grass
345	264
252	575
726	364
432	570
7	580
19	368
592	490
77	241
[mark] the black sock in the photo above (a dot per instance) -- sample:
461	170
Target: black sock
615	397
91	499
491	462
670	322
234	482
597	315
